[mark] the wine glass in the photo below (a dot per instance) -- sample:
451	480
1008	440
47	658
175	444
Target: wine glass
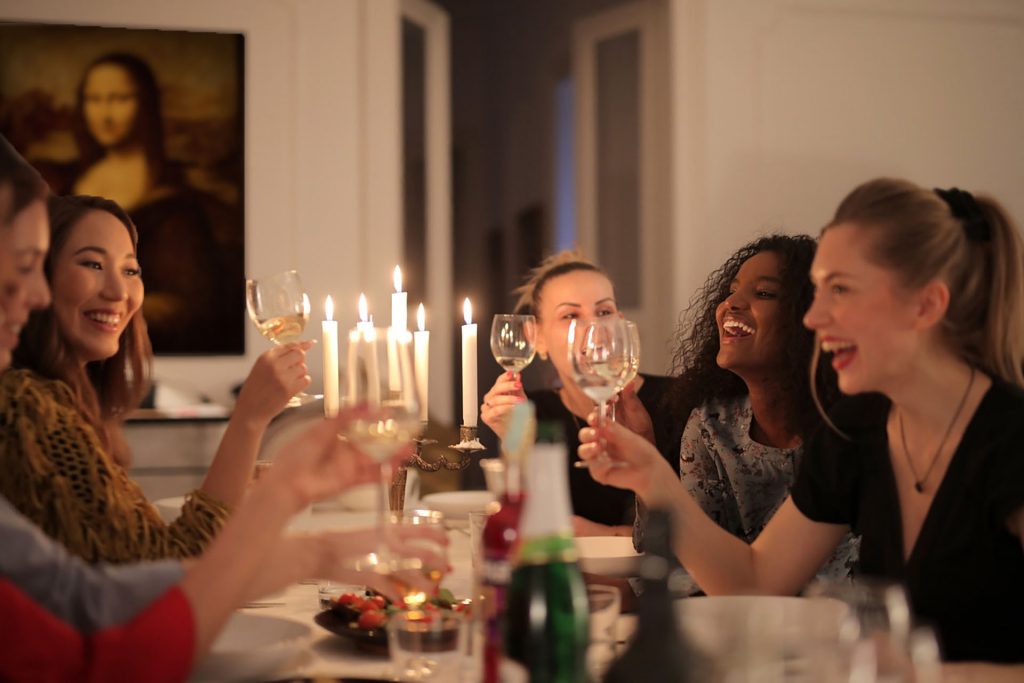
379	379
599	360
280	308
634	356
880	618
512	340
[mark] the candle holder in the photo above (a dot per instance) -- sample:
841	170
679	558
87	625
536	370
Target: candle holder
468	444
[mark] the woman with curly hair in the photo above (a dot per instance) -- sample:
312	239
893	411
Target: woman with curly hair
741	378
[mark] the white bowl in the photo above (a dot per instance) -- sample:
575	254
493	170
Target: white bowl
725	625
456	505
252	647
608	555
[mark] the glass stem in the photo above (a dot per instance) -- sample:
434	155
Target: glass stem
383	506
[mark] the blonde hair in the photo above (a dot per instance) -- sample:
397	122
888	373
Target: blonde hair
971	244
566	261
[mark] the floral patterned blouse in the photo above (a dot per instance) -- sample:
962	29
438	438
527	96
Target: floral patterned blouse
739	482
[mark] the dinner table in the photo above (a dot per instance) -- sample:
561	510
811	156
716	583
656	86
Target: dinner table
326	655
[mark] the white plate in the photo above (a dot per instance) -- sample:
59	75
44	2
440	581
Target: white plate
456	505
252	646
169	508
725	625
608	555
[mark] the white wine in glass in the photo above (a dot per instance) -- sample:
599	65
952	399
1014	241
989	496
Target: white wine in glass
634	356
513	339
381	385
599	360
279	307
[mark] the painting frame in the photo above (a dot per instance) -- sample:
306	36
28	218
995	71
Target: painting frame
60	89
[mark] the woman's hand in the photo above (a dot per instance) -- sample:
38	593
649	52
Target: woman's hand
318	464
646	472
276	376
499	401
326	555
631	413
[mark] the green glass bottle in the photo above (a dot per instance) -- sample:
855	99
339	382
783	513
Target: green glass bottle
546	627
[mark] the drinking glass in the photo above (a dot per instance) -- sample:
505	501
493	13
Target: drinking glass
433	519
880	619
512	340
599	360
279	307
605	603
427	646
379	380
634	356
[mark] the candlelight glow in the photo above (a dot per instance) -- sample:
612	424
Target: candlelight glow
398	279
467	311
364	313
305	305
329	307
421	318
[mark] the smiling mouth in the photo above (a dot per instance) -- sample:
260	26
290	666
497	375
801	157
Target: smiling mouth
843	352
109	321
734	329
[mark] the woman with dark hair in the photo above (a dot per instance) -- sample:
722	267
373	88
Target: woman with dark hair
741	378
81	367
194	288
68	620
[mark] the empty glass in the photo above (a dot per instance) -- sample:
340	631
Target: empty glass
512	340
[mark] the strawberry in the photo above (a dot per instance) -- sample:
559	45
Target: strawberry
372	619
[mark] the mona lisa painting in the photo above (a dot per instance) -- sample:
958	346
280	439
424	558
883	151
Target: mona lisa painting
153	120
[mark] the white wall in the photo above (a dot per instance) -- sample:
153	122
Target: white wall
322	158
783	106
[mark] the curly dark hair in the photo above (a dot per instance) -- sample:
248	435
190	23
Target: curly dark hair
698	378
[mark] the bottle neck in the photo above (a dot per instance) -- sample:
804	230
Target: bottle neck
513	479
547	512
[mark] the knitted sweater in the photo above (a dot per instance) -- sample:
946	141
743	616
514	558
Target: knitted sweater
55	471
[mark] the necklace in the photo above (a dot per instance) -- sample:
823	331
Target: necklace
919	481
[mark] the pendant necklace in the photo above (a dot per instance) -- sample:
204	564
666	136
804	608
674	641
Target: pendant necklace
919	481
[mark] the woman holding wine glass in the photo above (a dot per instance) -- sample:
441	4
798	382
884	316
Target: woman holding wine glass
81	366
918	308
567	287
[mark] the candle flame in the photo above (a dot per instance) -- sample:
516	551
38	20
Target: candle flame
363	309
329	307
467	311
421	318
398	279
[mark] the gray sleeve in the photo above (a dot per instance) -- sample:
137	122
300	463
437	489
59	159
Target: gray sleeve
86	597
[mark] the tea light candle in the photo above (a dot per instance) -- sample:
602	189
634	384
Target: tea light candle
421	351
330	350
469	399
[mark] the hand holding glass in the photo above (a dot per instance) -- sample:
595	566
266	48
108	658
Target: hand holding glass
279	307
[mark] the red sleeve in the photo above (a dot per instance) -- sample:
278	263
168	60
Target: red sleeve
157	645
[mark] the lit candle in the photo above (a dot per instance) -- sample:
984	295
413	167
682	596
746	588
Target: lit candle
421	350
469	406
399	304
365	323
330	351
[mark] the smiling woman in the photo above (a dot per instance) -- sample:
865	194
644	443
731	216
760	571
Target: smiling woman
80	368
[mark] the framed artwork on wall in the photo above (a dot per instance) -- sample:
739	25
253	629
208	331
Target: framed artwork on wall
153	119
